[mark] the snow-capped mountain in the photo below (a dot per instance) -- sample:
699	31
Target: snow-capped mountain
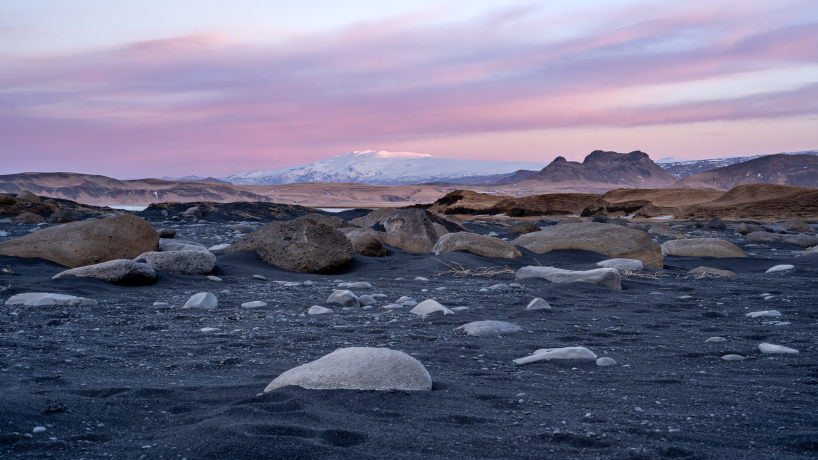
387	168
681	167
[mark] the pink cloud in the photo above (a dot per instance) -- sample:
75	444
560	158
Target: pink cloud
202	104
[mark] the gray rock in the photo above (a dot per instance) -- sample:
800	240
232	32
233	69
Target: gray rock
500	287
62	217
733	357
28	197
430	306
180	262
203	301
795	226
344	298
605	362
360	285
605	277
702	247
254	304
716	223
194	211
366	300
715	340
41	299
558	353
538	304
622	264
121	271
763	314
243	228
485	246
780	268
167	232
318	310
524	227
259	277
769	348
180	245
763	237
660	228
365	241
218	247
373	369
805	241
489	328
744	229
214	278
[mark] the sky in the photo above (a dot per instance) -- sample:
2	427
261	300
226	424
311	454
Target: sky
154	88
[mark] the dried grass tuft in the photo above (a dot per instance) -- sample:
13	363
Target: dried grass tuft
458	271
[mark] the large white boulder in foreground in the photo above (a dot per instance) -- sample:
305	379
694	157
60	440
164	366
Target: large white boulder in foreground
702	247
358	368
558	353
605	277
481	245
39	299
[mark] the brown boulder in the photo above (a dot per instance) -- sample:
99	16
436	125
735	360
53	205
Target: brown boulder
28	217
744	229
329	221
611	240
28	197
481	245
7	199
702	247
660	228
298	245
62	217
78	244
365	241
521	228
795	226
410	229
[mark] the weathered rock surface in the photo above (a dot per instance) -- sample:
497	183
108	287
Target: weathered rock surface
28	197
87	242
608	239
180	262
298	245
622	264
524	227
485	246
120	271
62	217
365	241
28	217
702	247
489	328
411	230
795	226
716	223
40	299
319	310
558	353
702	272
358	368
180	245
605	277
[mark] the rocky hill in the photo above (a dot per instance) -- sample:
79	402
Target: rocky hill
780	169
682	168
602	171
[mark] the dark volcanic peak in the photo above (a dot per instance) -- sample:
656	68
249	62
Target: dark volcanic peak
606	170
781	169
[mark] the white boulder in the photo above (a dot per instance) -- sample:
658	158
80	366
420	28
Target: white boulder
769	348
558	353
489	328
605	277
622	264
344	298
780	268
42	299
430	306
538	304
202	300
318	310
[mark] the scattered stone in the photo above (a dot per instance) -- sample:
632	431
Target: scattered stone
254	304
780	268
605	362
515	286
500	287
202	300
405	298
373	369
120	271
744	229
78	244
733	357
776	349
703	272
38	429
259	277
62	217
420	278
318	310
214	278
716	223
209	329
430	306
522	228
702	247
42	299
489	328
167	245
622	264
715	340
605	277
360	285
611	240
795	226
243	228
558	353
366	300
538	304
180	262
491	234
167	232
218	247
485	246
660	228
392	306
194	212
411	230
28	217
763	314
460	308
28	197
344	298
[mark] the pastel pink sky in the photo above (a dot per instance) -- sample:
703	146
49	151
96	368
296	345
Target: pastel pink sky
683	79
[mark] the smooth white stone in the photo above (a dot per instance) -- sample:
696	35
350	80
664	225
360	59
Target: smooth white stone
40	299
202	300
622	264
214	278
765	313
259	277
558	353
771	349
489	328
538	304
420	278
254	304
318	310
605	362
715	340
430	306
733	357
38	429
780	268
209	329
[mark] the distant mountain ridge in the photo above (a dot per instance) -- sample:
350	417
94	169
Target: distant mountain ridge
780	169
387	168
682	168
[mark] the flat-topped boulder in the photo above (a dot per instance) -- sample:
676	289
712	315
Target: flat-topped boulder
611	240
702	247
481	245
88	242
120	271
605	277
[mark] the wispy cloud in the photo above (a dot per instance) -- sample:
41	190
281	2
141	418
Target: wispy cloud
202	97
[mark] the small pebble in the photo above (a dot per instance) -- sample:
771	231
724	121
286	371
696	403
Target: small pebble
259	277
605	362
715	340
38	429
214	278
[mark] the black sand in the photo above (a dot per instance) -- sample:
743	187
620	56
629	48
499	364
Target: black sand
130	379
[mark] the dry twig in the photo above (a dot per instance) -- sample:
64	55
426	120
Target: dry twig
459	271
